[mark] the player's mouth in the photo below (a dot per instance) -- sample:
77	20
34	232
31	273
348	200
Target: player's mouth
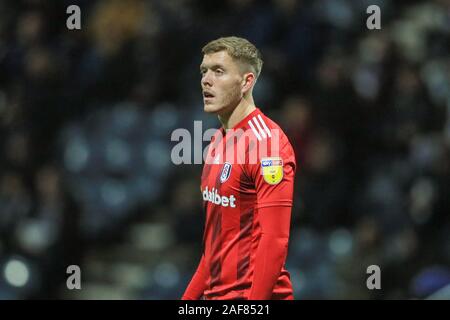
207	96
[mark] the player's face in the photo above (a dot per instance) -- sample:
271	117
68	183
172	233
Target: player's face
221	83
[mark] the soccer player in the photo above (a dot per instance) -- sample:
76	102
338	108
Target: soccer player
247	184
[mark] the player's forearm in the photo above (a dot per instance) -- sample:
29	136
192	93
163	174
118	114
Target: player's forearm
197	286
269	260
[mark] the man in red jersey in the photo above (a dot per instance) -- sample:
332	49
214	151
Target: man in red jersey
247	184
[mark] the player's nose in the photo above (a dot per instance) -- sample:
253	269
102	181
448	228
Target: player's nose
206	79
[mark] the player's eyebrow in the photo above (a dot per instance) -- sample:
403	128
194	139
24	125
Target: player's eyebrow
213	67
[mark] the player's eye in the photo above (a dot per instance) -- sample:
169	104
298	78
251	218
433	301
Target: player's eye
219	71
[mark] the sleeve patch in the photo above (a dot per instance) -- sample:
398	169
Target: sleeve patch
272	170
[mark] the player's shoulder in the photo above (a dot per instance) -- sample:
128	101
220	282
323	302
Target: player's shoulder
264	129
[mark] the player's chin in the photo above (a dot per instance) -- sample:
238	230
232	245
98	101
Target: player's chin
211	108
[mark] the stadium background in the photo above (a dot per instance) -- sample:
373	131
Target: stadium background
86	118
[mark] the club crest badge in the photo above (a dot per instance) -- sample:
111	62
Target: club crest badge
226	172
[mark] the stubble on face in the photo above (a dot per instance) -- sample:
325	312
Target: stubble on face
221	78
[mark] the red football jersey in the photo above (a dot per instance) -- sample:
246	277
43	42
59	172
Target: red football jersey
246	168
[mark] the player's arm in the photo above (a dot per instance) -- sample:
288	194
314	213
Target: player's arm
197	286
272	250
274	204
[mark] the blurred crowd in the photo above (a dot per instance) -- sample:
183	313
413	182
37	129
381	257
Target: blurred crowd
86	118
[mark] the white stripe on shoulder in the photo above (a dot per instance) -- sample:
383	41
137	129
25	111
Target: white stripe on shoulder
261	131
264	125
254	130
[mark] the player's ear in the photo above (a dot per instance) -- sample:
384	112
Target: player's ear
248	81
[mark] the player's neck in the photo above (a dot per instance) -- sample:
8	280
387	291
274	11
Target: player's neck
243	109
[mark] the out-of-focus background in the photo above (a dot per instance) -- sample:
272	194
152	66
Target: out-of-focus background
86	118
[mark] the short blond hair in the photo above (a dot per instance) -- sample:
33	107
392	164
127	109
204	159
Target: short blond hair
239	49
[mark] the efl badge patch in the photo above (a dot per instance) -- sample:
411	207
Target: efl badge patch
226	171
272	169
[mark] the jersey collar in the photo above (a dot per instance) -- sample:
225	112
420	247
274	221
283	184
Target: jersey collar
241	124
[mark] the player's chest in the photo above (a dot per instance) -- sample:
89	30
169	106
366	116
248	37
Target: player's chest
223	186
226	177
223	172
